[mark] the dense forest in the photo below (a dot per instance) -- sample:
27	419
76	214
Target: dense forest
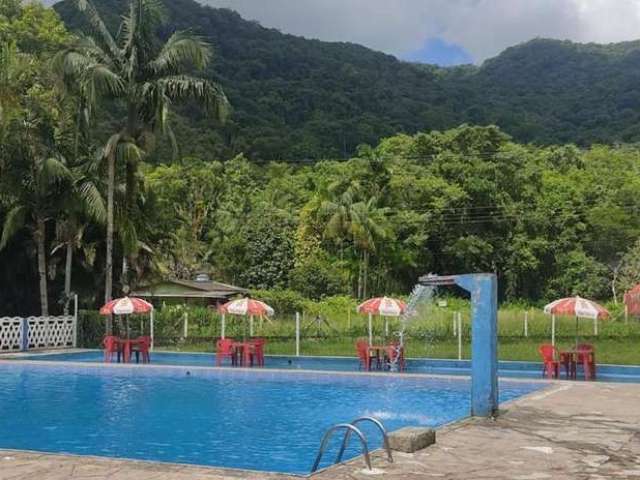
295	98
85	205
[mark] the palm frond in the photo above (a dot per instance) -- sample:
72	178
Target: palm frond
128	152
210	94
13	223
181	51
94	18
92	201
53	171
101	80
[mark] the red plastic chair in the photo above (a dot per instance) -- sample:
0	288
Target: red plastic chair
111	345
551	366
258	351
141	347
587	358
224	349
362	347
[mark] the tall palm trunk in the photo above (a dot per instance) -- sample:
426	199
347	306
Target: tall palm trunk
359	293
365	273
108	284
67	277
42	265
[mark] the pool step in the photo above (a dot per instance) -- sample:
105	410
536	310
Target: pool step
348	429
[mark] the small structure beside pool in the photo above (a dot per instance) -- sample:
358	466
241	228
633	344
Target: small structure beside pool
201	290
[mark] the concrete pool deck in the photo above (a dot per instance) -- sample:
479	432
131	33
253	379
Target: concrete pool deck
572	430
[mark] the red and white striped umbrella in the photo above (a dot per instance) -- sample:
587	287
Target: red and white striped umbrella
385	306
246	306
577	307
126	306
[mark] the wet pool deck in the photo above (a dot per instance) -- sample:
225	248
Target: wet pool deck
569	430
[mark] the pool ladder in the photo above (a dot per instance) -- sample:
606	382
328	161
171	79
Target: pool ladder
350	428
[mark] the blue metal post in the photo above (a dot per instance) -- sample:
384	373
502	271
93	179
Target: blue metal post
484	341
483	288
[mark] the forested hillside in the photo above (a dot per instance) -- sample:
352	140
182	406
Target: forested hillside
83	214
295	98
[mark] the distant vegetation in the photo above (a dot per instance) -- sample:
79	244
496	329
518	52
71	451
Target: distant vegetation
76	124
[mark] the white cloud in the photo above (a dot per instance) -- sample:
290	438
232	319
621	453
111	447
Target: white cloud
482	27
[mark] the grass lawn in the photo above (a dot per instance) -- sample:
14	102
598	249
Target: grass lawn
608	350
429	335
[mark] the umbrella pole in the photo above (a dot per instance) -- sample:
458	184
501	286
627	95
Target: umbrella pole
553	330
222	327
151	329
576	332
251	325
370	330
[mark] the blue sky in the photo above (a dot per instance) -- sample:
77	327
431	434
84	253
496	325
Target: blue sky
438	51
445	31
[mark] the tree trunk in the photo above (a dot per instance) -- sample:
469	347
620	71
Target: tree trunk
42	265
359	293
67	278
125	275
108	284
365	273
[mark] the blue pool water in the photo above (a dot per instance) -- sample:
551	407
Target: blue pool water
259	420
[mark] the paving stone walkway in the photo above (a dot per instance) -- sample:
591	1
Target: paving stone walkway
568	431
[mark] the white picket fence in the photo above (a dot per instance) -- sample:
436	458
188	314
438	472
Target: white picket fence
32	333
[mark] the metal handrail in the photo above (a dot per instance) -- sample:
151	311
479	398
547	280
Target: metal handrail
377	423
349	428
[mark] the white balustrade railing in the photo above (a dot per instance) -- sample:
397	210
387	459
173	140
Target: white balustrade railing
11	334
20	334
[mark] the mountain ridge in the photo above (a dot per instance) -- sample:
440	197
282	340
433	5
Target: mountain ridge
299	98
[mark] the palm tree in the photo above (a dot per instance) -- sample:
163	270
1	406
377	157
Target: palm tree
84	202
361	222
148	77
35	180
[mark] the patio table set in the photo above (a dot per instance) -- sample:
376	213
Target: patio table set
123	348
380	357
245	353
583	355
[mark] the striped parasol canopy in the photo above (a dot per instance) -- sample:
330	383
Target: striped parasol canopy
247	306
385	306
577	307
126	306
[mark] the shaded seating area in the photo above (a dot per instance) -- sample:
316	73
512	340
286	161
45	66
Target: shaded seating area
122	348
582	356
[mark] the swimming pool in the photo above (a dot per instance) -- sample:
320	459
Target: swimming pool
259	420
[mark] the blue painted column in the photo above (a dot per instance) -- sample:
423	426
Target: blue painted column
483	288
484	341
